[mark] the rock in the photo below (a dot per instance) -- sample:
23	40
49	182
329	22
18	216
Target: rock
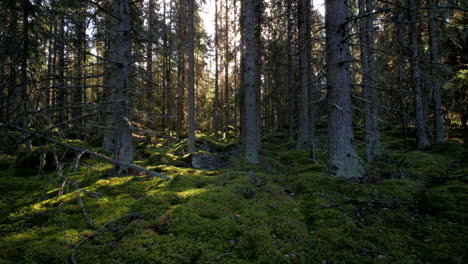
381	256
206	161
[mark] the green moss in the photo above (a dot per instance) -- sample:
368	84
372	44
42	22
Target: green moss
449	201
283	210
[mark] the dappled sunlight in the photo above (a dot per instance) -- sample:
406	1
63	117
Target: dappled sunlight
283	209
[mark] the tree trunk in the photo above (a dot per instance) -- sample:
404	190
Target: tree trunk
251	139
191	75
120	52
79	82
216	98
149	60
24	74
421	135
369	80
61	65
242	70
180	67
435	69
226	69
303	13
401	51
343	160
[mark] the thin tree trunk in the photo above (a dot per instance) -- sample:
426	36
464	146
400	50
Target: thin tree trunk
343	160
61	64
435	68
79	83
369	80
226	69
374	136
149	59
401	51
24	74
251	139
290	76
216	98
303	13
191	75
421	134
180	67
242	70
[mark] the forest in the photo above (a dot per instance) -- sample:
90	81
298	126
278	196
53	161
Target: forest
233	131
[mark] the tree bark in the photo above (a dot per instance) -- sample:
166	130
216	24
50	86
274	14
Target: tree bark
120	52
191	75
303	13
24	73
401	51
421	134
149	59
251	139
290	76
369	80
216	98
180	67
343	160
226	69
435	69
80	60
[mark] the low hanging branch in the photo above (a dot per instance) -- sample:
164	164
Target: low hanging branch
98	155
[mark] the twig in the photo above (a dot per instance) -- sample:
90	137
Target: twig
97	232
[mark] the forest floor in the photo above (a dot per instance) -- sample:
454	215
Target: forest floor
414	208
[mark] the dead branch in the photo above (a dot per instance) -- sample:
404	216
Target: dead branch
95	154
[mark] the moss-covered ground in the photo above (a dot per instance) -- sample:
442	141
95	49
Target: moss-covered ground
412	209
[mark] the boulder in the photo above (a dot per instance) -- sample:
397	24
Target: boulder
206	161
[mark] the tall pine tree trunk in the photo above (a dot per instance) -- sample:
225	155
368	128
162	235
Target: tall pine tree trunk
303	13
369	80
226	69
180	66
290	75
435	69
216	47
120	52
343	160
191	75
421	134
251	135
24	74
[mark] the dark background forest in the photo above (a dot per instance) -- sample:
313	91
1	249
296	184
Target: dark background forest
226	131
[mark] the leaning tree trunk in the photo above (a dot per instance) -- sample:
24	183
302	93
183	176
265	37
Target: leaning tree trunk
251	135
435	68
191	75
421	134
343	160
120	52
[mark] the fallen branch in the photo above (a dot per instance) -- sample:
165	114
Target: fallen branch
92	153
97	232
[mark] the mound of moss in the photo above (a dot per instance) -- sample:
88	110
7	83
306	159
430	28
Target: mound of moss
283	210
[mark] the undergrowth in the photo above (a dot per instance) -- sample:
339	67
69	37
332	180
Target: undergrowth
414	209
